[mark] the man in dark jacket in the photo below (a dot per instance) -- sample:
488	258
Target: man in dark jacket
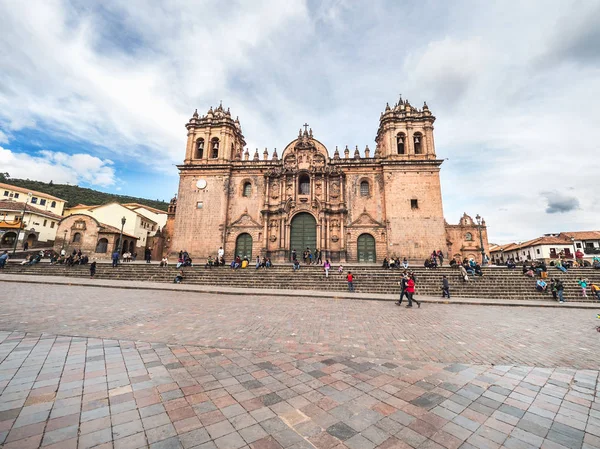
445	287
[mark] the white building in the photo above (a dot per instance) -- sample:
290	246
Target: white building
31	215
587	242
39	200
34	226
139	220
547	248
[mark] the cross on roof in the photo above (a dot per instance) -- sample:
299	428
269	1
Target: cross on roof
305	127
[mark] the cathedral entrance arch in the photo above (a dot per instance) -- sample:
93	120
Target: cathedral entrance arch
243	246
366	248
303	232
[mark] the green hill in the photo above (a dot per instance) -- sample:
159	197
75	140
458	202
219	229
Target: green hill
79	195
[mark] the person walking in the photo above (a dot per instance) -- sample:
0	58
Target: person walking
326	268
410	289
403	282
560	287
115	259
148	254
350	280
445	287
92	269
583	284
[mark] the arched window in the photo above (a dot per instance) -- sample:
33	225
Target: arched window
400	139
468	237
214	148
247	191
364	188
304	185
418	141
53	204
200	148
102	246
77	237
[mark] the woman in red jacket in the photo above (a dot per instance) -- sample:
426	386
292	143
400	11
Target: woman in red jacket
410	290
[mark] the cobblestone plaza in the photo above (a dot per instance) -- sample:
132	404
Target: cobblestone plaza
84	367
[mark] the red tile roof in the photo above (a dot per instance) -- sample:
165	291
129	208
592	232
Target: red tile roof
16	206
33	192
582	235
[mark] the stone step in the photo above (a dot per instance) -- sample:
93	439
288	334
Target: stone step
497	283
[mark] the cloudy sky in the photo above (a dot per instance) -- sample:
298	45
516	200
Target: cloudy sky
97	93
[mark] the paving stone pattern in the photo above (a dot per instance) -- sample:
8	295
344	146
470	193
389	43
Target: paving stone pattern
436	333
74	392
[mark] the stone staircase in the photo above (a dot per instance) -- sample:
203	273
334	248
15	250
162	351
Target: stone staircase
497	282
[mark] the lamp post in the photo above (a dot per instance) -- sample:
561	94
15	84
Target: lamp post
123	220
22	224
478	218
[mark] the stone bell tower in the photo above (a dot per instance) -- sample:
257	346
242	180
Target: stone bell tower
413	196
213	138
406	132
213	142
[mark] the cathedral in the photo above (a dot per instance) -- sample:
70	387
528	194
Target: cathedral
354	208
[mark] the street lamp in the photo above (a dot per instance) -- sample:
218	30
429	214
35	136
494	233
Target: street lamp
478	218
22	224
123	220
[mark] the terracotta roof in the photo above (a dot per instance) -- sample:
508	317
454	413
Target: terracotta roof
34	192
545	241
583	235
138	205
108	229
16	206
505	247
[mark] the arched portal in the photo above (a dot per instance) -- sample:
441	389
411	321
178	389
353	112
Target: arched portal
366	248
243	246
8	238
303	233
31	240
102	246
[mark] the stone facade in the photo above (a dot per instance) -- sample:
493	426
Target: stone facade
463	239
95	239
353	207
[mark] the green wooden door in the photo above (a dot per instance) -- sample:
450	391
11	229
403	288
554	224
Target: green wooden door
243	246
303	233
366	248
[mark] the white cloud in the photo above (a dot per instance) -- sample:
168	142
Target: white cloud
58	167
3	137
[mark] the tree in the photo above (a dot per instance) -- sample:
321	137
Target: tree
4	176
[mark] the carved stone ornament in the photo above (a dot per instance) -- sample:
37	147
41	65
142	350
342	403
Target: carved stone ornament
273	238
335	238
335	190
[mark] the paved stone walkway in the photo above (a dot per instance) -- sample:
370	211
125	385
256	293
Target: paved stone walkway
188	370
436	333
147	285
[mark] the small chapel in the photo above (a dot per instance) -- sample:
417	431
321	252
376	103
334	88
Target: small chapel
354	208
